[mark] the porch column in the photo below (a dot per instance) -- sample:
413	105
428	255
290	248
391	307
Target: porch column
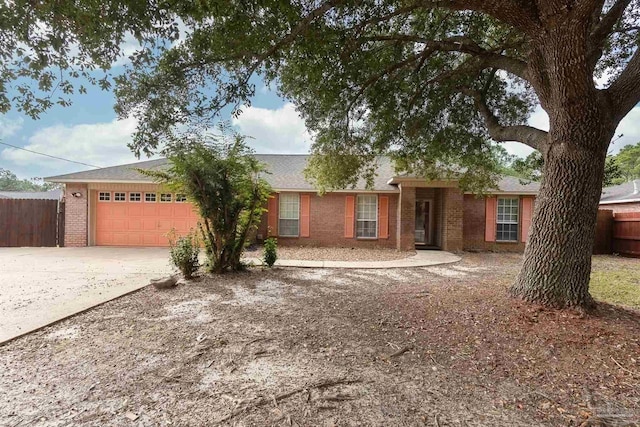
452	208
406	218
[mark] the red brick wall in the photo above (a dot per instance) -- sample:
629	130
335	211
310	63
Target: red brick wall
473	229
622	207
452	219
326	224
75	215
406	226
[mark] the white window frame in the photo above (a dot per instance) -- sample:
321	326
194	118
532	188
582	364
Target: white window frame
180	198
101	194
281	198
119	193
166	201
509	221
358	219
155	198
135	193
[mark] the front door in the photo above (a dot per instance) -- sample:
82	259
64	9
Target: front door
423	222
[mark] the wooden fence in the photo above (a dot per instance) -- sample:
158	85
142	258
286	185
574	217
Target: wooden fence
25	222
604	232
618	233
626	233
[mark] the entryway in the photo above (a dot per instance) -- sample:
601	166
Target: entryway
428	220
424	223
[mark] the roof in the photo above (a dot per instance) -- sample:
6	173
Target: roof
42	195
286	172
511	184
623	193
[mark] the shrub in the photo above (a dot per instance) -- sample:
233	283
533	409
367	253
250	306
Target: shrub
223	179
270	251
184	253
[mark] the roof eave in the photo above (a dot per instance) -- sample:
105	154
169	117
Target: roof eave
613	202
95	181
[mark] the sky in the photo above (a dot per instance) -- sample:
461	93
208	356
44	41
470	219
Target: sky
89	132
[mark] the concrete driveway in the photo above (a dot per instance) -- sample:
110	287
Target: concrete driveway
41	285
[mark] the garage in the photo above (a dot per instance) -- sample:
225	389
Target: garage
139	218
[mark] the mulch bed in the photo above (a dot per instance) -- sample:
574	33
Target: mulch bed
332	254
439	346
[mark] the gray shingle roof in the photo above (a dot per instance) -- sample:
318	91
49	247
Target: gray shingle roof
286	173
511	184
42	195
625	192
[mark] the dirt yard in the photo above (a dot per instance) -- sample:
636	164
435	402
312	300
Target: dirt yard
332	254
438	346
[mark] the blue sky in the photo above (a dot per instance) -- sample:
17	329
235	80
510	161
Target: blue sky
89	132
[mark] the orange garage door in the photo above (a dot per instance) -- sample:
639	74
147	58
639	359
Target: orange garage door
141	219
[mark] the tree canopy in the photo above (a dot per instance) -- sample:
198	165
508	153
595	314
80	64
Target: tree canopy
628	160
10	182
420	80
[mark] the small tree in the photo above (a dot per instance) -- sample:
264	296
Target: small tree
222	178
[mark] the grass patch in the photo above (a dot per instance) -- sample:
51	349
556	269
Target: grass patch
616	287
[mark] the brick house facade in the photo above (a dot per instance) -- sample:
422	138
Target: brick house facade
118	206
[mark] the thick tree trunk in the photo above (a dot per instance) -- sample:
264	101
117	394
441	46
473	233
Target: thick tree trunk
557	259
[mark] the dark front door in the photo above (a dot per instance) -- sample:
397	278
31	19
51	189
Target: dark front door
423	222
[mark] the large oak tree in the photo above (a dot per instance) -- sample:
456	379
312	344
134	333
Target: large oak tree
426	81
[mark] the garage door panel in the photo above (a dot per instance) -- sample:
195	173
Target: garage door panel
150	210
135	239
165	225
135	224
181	226
165	210
182	210
150	239
135	209
142	223
120	239
149	224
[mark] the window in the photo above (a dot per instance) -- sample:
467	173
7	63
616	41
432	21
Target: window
149	197
289	221
367	216
180	198
120	197
134	197
507	220
104	197
165	197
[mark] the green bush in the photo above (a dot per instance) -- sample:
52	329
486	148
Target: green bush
184	253
270	251
223	179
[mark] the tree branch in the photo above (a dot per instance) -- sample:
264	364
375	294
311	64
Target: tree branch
624	92
527	135
607	22
464	45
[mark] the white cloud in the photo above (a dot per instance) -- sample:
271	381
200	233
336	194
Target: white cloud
100	144
274	131
9	127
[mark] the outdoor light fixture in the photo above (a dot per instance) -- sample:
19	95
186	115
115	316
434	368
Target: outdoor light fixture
77	194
